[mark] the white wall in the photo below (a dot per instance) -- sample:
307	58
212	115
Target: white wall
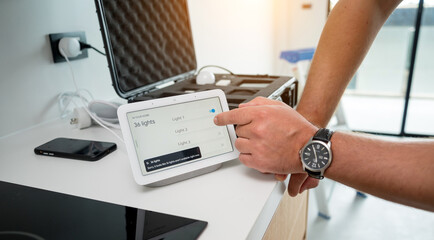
234	34
245	36
30	82
296	28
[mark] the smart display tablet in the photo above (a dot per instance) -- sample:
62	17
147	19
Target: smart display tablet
174	138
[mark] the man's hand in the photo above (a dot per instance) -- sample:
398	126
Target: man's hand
299	182
270	134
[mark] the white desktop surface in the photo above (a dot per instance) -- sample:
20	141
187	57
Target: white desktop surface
230	199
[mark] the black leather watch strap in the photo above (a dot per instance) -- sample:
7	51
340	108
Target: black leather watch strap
323	134
316	175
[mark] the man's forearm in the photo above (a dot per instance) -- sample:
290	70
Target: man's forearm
395	171
349	32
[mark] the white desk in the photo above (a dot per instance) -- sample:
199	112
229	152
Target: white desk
237	202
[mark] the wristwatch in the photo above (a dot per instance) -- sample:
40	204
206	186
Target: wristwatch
316	155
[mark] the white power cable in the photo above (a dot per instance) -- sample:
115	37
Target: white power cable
66	98
103	110
84	100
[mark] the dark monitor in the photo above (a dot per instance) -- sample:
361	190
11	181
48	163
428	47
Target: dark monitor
30	213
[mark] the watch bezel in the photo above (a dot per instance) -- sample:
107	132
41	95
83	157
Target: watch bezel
322	169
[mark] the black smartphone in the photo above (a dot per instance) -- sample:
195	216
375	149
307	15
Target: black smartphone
76	149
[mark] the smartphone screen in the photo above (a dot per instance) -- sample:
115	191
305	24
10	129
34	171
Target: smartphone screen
76	149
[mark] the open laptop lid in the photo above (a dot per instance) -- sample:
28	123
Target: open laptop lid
148	43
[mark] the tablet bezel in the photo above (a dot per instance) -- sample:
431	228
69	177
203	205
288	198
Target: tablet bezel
182	169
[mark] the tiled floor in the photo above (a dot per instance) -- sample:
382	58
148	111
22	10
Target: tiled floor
353	217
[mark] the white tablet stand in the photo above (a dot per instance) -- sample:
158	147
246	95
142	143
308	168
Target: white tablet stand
185	176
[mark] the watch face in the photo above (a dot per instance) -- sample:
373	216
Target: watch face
315	155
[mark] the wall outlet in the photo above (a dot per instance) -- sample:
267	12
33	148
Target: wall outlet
54	42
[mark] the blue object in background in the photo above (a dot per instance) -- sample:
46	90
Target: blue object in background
294	56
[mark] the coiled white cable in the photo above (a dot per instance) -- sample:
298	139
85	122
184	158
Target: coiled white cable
84	100
66	98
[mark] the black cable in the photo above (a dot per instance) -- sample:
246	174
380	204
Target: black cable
87	46
98	51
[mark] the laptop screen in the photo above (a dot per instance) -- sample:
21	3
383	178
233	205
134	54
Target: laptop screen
147	42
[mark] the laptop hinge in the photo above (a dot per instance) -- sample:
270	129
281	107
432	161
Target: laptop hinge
161	86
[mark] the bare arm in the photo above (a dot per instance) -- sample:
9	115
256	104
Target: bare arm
397	171
270	136
346	38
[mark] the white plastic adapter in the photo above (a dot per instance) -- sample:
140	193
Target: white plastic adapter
205	77
103	111
81	118
69	47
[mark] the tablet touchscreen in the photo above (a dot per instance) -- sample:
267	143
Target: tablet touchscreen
170	136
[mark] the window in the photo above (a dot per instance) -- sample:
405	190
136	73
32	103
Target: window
420	117
377	99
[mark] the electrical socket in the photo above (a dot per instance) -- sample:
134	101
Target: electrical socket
54	42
